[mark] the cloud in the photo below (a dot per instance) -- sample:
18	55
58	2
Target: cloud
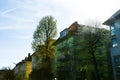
16	27
9	10
7	28
29	12
81	10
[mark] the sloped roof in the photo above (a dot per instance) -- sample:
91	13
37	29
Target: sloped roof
114	17
71	28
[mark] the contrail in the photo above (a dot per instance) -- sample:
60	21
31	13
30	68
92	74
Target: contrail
7	11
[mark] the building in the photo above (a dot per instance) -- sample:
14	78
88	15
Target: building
36	60
71	57
114	23
65	48
23	68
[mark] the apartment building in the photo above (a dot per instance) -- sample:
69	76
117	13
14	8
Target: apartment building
72	59
23	68
114	23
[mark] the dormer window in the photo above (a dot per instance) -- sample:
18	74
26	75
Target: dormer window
63	33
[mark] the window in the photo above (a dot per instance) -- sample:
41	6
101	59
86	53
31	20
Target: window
117	24
113	36
114	42
63	33
112	29
112	32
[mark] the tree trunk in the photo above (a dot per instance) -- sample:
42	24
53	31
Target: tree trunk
95	66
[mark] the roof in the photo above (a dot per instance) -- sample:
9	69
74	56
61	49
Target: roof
71	30
29	58
113	18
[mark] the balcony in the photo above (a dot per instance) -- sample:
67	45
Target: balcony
63	69
63	58
63	48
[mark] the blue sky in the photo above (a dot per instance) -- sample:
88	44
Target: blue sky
19	18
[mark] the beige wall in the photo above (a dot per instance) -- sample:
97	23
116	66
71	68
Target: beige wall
23	69
28	68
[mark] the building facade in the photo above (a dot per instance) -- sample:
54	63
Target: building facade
71	57
65	53
114	23
23	68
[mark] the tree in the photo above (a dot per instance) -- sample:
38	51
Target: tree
47	54
9	74
41	74
94	39
45	68
45	30
42	44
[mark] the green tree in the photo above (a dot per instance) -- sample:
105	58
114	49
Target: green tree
46	66
94	41
47	54
9	74
45	30
42	43
93	51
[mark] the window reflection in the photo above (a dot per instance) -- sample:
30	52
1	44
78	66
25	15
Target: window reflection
114	42
112	27
113	36
112	30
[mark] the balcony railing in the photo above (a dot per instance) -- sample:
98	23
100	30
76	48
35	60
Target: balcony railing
63	69
63	48
64	58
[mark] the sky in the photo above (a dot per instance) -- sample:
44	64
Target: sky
19	19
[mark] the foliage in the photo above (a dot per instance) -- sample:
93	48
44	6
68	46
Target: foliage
47	55
43	47
20	76
94	42
9	74
41	74
45	30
